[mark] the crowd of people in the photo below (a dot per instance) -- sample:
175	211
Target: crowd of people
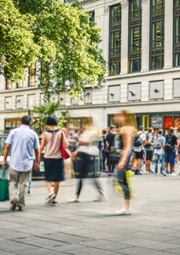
148	148
118	151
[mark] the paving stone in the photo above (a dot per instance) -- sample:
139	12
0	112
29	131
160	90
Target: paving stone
151	244
143	251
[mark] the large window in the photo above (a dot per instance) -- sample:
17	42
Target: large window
32	75
177	33
115	40
135	22
157	34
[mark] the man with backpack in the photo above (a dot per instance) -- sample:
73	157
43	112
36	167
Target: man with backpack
149	149
139	142
171	141
159	144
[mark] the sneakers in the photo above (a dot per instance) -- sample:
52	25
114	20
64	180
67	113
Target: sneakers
164	172
138	172
73	200
50	197
29	192
151	172
13	204
54	202
124	211
101	197
173	174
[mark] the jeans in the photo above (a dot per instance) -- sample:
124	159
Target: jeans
161	158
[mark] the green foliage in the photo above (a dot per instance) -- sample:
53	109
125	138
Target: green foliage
60	36
17	47
42	113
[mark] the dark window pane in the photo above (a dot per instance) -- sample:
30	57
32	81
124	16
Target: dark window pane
158	62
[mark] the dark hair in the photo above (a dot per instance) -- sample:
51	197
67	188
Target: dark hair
76	131
52	120
26	120
171	130
141	127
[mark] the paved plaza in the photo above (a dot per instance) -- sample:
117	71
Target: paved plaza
93	228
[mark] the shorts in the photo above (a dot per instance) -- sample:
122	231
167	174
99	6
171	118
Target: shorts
139	155
149	155
170	158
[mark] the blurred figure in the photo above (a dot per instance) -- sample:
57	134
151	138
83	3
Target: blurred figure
109	143
159	144
23	143
104	150
171	141
139	148
128	131
85	162
149	149
53	161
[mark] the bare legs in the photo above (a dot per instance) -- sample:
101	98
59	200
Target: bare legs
56	187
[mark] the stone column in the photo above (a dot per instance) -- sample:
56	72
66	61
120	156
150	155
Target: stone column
145	35
124	37
168	29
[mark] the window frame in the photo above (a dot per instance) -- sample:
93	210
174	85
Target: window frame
157	51
176	46
114	59
135	22
29	70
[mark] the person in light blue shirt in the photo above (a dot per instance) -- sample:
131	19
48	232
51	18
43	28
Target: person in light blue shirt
23	144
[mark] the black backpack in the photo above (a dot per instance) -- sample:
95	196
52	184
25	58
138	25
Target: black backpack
147	145
169	147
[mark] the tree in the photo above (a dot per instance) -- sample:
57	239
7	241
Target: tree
42	112
17	47
65	44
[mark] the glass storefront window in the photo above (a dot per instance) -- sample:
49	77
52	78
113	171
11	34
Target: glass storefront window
168	121
7	124
156	121
177	121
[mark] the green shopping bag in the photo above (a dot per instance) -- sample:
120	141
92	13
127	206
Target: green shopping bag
4	186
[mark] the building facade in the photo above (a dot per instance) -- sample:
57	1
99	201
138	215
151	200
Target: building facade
141	44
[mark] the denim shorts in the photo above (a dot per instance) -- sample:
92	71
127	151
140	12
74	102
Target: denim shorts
170	158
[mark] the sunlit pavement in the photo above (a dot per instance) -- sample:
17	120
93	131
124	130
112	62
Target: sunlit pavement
93	228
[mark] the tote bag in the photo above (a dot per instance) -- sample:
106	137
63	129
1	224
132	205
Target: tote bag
4	186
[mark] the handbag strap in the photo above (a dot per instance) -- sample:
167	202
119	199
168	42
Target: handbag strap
4	173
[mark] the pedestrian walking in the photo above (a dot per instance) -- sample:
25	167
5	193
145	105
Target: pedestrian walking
24	145
53	139
85	164
110	143
159	144
171	141
104	150
127	132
